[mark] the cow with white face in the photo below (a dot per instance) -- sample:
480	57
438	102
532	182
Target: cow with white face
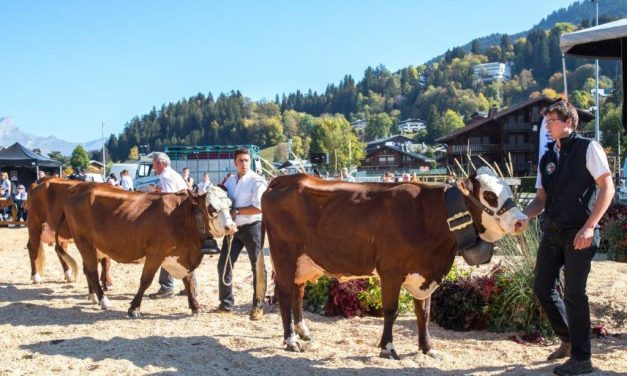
492	195
218	207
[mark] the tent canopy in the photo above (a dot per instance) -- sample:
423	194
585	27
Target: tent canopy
603	41
17	155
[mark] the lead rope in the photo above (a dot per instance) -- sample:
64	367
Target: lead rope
228	258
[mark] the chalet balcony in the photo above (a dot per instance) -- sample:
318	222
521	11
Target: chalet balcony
518	127
474	148
522	147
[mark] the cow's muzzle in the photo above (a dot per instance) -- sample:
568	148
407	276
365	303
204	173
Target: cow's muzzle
479	254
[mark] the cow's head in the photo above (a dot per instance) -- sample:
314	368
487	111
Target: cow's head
493	204
218	207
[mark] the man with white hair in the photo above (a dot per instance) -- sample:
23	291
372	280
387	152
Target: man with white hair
169	182
345	176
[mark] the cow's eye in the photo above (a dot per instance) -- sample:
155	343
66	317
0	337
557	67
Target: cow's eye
491	199
212	211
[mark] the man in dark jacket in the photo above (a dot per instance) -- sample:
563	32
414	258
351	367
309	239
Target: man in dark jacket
574	188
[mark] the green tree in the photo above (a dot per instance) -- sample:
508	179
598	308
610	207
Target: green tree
449	122
611	126
475	47
57	156
79	157
378	126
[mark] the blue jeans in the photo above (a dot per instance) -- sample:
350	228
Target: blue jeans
248	236
167	281
569	318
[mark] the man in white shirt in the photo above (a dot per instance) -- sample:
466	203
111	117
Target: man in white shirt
244	189
205	184
126	182
345	176
169	182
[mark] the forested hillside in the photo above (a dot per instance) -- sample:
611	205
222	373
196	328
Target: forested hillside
442	93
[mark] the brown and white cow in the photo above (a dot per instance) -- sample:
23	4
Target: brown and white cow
165	229
399	231
46	199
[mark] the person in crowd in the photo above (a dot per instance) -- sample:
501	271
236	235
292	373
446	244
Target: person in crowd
5	212
112	180
245	189
20	197
126	182
406	178
188	179
388	177
78	174
574	189
5	182
41	175
345	176
205	184
54	174
169	182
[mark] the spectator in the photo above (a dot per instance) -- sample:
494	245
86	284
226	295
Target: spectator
125	181
388	177
406	178
345	176
41	175
188	179
5	183
19	199
205	184
113	180
5	212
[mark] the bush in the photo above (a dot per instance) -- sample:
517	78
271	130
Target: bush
614	233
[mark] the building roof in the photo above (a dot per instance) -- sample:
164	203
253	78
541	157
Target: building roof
422	157
494	115
386	139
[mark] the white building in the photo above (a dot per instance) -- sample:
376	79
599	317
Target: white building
411	125
489	72
359	124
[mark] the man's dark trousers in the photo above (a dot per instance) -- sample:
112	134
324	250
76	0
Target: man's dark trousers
248	236
570	318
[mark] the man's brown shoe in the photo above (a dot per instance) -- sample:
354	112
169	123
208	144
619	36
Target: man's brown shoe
562	352
256	313
221	309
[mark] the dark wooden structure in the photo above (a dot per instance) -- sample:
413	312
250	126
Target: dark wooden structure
390	155
512	131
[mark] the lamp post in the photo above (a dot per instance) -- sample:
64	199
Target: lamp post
596	74
104	166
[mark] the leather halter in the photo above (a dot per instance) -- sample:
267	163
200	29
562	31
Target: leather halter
507	205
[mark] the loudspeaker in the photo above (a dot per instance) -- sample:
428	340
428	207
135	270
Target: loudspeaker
319	158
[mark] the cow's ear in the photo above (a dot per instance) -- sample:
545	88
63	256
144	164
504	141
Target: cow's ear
464	185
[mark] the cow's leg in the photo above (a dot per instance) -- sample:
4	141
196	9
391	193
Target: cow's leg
90	268
90	287
67	271
105	277
190	285
148	274
284	287
390	290
422	309
297	311
37	256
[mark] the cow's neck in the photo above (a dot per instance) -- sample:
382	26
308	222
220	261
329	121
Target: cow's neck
459	219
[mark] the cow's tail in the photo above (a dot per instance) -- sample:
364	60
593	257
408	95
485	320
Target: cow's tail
61	252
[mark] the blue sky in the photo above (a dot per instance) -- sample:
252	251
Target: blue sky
67	66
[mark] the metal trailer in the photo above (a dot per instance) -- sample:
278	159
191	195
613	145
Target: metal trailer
216	160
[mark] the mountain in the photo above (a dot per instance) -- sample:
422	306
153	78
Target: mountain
10	134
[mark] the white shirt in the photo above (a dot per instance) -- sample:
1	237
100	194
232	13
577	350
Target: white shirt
170	181
244	192
596	162
203	187
21	196
126	182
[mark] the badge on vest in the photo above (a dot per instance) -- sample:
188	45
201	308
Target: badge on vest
550	168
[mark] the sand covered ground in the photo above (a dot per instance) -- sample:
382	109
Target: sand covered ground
53	329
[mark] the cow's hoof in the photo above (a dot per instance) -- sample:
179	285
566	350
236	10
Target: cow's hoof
389	352
134	314
105	304
434	354
293	345
107	287
197	311
36	278
303	332
68	276
93	298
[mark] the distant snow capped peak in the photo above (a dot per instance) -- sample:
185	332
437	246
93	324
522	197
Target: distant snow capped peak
10	134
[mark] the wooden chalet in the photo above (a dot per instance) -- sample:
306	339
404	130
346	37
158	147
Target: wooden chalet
392	154
512	131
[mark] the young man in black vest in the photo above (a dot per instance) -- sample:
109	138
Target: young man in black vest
574	188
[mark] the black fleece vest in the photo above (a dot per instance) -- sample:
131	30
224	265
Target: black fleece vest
570	188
